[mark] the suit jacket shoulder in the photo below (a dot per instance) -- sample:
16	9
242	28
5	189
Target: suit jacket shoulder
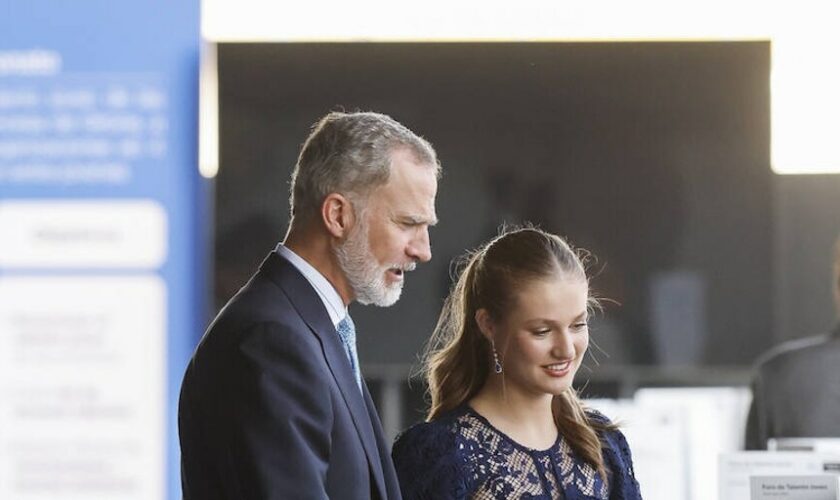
269	407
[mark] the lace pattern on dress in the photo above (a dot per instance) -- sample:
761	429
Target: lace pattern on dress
502	469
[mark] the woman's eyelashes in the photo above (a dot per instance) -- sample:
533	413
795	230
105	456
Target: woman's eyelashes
541	332
578	326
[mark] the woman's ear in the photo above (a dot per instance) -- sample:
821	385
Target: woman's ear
485	324
337	215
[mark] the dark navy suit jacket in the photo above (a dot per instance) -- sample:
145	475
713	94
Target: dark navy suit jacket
269	406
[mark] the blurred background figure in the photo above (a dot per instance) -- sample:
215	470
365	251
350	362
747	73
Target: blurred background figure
796	388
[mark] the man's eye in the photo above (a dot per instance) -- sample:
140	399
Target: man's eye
541	332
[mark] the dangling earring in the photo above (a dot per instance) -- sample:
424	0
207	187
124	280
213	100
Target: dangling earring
498	365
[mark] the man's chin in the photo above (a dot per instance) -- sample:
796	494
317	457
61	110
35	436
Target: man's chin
391	298
387	299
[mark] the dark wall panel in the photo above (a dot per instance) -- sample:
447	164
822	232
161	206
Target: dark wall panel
654	156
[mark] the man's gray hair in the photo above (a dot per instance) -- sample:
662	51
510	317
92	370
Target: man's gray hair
350	153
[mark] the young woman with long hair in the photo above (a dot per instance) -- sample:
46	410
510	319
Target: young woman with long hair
505	421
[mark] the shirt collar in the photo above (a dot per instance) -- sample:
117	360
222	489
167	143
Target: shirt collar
329	295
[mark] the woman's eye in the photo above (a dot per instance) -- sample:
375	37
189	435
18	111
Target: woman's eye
580	326
542	331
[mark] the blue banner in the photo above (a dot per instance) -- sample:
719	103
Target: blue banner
101	248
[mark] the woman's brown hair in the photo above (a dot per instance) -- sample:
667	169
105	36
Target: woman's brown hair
457	360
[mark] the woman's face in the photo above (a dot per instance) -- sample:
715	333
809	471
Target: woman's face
542	340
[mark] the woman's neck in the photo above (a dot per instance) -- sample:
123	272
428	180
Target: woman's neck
526	418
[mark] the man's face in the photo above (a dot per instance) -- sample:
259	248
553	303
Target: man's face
392	232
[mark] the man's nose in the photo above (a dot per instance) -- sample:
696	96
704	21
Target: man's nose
420	248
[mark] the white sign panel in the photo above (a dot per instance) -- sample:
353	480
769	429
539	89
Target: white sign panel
736	469
657	437
95	234
714	419
793	487
82	387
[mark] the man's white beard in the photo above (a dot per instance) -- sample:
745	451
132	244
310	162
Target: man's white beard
365	275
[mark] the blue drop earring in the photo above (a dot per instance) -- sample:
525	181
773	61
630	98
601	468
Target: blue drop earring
498	366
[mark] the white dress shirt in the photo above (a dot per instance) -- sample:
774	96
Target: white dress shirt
329	295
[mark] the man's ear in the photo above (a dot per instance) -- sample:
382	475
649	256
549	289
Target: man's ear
337	215
485	324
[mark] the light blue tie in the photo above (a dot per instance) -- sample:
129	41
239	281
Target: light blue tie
347	333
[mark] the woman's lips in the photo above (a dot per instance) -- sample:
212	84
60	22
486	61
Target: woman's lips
558	369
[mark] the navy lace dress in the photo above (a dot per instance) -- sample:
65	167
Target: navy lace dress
460	455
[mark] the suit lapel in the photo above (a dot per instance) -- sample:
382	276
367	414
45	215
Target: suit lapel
310	307
389	474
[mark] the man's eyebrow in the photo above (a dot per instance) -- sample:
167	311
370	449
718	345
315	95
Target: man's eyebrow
413	219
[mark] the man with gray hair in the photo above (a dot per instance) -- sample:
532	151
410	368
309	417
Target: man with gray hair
273	405
796	387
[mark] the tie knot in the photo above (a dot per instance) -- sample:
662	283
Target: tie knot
347	333
347	330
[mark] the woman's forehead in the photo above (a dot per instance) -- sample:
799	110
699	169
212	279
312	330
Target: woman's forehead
552	297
